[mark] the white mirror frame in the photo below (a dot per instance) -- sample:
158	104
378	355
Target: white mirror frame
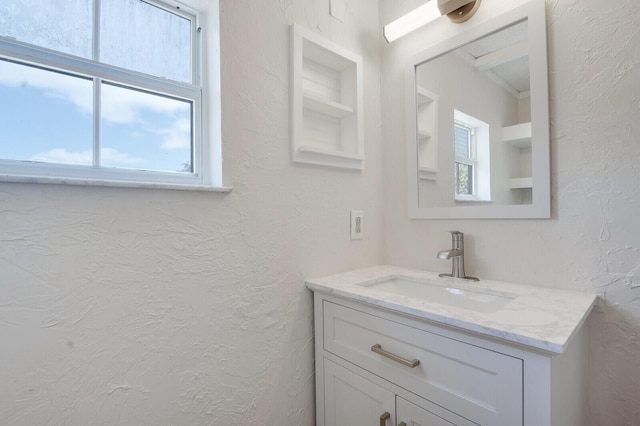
540	208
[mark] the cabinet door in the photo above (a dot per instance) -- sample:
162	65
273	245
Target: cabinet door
351	400
411	415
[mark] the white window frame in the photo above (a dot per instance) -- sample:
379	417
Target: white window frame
469	161
204	94
479	157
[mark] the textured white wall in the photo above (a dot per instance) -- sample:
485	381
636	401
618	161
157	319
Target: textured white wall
159	307
592	241
129	306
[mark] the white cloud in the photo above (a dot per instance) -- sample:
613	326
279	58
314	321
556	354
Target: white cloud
178	136
75	90
109	156
62	156
116	158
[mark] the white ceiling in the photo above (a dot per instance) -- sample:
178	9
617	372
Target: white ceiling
504	56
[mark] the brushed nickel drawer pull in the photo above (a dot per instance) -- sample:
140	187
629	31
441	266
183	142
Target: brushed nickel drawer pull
384	417
377	348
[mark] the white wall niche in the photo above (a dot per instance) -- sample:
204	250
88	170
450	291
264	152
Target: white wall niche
327	126
427	119
519	137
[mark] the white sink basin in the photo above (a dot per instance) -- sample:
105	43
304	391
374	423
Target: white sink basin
461	296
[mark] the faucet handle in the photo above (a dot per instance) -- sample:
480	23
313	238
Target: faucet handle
456	235
457	240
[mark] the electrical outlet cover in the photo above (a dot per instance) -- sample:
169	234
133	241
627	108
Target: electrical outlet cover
357	225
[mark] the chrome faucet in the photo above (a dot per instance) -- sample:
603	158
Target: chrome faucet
456	254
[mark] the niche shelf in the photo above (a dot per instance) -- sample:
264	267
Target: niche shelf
519	136
427	119
521	183
326	108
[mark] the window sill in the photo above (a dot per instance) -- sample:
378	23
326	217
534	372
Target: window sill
111	183
471	200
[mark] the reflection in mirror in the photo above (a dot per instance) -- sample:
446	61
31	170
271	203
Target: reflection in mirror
474	151
486	83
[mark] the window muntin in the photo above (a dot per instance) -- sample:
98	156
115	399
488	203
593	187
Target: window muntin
174	115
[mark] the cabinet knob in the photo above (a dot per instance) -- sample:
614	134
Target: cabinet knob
402	424
384	417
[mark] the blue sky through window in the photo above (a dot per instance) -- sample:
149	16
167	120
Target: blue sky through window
144	130
39	121
47	116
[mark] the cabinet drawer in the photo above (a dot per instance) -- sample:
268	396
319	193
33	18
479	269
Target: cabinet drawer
481	385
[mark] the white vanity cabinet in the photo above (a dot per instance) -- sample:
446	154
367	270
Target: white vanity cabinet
378	366
351	399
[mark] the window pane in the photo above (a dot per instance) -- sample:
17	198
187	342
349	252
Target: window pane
464	179
45	116
461	135
63	25
145	38
145	131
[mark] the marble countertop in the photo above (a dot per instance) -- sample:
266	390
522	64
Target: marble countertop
541	318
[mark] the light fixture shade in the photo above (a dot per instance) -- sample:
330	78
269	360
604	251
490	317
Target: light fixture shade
456	10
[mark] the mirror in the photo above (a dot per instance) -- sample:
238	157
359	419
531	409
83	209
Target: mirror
478	121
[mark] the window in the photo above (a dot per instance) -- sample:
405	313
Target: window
109	92
465	159
472	158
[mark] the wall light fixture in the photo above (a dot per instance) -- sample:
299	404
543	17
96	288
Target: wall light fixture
456	10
